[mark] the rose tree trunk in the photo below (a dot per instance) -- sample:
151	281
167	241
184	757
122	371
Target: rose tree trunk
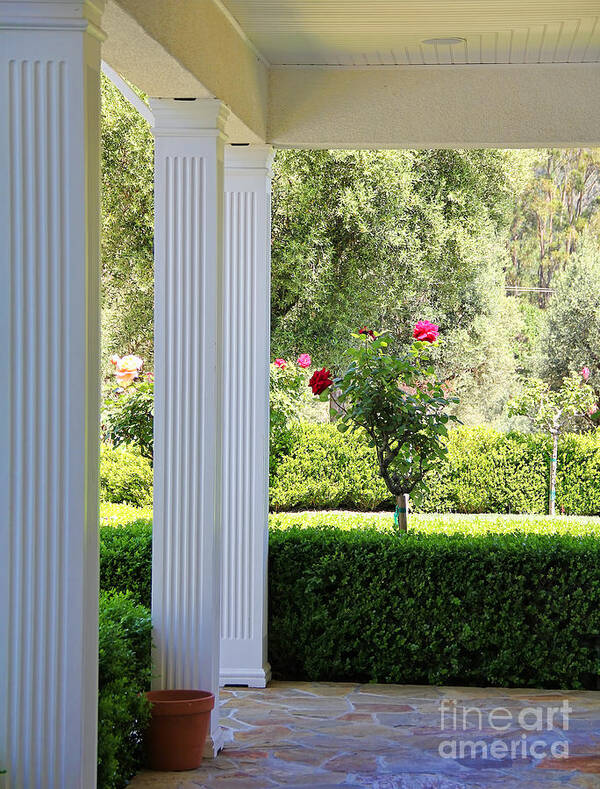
401	516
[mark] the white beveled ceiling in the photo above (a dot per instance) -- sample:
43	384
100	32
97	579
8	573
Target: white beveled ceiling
390	32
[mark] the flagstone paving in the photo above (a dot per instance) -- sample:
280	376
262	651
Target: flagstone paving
326	735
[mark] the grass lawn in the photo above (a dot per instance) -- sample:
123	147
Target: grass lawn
121	514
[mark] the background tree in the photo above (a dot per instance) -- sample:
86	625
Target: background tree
571	337
383	238
552	411
127	229
559	201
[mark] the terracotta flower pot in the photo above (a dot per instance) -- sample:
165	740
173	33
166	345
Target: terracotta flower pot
179	724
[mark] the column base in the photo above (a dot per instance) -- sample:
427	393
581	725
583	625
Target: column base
250	677
215	742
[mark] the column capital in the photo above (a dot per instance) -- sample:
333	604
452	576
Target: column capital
63	15
249	159
189	118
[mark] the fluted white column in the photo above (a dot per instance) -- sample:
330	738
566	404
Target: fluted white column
246	415
186	569
49	391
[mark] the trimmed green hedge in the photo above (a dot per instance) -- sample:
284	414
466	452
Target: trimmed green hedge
327	469
124	652
485	471
363	605
125	476
126	560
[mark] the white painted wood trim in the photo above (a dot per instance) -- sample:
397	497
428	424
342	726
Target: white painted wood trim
128	93
186	568
246	332
49	390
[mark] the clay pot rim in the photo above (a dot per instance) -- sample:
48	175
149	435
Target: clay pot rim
180	701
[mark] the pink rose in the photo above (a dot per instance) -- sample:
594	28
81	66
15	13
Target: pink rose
280	363
304	360
426	331
585	373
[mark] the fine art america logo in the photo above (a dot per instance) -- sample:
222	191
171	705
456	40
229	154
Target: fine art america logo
530	733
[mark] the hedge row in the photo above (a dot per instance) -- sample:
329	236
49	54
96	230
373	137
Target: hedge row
366	605
485	471
125	476
124	652
504	610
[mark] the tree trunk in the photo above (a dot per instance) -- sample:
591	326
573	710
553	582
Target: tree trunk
401	514
553	464
334	393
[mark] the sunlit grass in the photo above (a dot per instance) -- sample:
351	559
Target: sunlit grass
447	523
122	514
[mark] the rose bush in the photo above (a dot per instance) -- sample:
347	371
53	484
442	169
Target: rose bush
286	392
128	411
400	404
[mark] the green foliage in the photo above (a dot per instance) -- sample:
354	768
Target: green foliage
571	339
500	610
287	391
124	672
557	204
127	235
326	468
491	471
125	477
400	405
552	410
128	417
493	609
126	560
485	470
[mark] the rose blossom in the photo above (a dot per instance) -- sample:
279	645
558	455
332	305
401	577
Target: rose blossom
304	360
280	363
127	368
370	332
585	373
426	331
320	381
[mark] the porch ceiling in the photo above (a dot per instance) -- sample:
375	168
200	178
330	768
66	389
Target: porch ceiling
355	73
388	32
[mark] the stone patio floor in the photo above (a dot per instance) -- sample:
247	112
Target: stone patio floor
318	735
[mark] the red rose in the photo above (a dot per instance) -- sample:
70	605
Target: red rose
370	332
426	331
320	381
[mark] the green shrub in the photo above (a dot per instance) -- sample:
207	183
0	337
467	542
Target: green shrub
364	605
327	469
125	476
490	471
126	560
508	609
124	652
578	478
485	471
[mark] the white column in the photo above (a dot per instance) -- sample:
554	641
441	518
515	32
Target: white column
246	415
49	391
186	568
